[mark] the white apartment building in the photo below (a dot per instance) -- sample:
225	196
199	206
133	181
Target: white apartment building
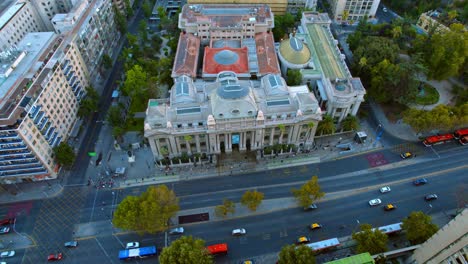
41	84
354	9
16	20
47	9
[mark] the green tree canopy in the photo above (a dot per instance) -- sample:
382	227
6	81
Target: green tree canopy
418	227
114	116
441	117
326	126
252	199
147	8
148	213
89	104
136	85
227	207
368	240
375	50
186	250
128	8
106	61
350	123
294	77
296	254
64	155
142	30
283	25
120	20
308	193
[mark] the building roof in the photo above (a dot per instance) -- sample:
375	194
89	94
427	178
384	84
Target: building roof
266	54
363	258
186	59
8	12
294	51
225	14
225	59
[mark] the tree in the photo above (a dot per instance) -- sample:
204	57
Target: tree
114	116
350	123
372	241
106	61
308	193
89	104
120	20
345	15
396	32
446	52
142	29
296	254
326	126
136	85
148	213
252	199
186	250
128	8
147	10
64	155
294	77
225	208
418	227
375	50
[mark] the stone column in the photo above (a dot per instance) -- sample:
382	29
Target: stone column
355	108
173	151
291	129
272	135
154	145
197	143
228	142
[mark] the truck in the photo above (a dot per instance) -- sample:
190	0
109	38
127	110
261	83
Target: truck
142	252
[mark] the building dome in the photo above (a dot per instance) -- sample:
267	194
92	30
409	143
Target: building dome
294	51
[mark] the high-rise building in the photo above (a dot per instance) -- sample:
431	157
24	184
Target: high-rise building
41	83
353	10
47	9
278	7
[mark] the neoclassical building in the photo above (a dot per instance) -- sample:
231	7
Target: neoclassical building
229	93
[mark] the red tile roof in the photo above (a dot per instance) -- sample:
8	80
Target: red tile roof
266	54
210	66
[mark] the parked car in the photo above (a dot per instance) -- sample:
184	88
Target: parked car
431	197
131	245
176	231
71	244
389	207
248	261
7	221
375	202
55	257
315	226
406	155
4	230
385	189
303	240
421	181
7	254
239	232
310	207
384	10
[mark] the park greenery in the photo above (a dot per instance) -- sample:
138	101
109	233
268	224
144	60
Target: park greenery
228	207
148	213
442	117
370	240
418	227
308	193
296	254
252	199
326	126
186	250
64	155
294	77
350	123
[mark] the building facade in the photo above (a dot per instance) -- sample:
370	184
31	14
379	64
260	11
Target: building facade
46	9
315	52
449	245
429	22
278	7
353	10
229	94
42	82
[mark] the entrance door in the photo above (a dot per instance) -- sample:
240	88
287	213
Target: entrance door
235	138
222	146
247	144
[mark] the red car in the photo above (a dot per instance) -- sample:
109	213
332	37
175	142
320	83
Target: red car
7	221
54	257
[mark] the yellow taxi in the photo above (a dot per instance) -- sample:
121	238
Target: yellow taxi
406	155
315	226
303	240
389	207
247	262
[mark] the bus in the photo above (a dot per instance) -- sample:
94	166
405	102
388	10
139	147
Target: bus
324	244
463	140
434	140
142	252
460	133
390	229
218	249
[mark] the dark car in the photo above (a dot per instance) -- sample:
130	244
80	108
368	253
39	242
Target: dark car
431	197
310	207
7	221
421	181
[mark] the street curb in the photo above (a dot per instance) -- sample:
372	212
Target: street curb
40	197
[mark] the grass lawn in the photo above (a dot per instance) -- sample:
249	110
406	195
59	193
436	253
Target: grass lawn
431	96
135	124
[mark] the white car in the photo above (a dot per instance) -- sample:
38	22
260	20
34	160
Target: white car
239	232
131	245
375	202
384	10
7	254
385	189
176	231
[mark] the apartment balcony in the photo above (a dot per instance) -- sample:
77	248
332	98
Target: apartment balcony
9	163
81	95
73	81
65	64
39	117
46	128
67	70
34	111
25	172
50	133
13	147
10	141
12	167
56	142
8	135
7	153
76	86
17	158
43	123
70	75
53	138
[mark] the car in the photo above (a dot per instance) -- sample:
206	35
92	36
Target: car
406	155
389	207
4	230
7	254
384	10
421	181
431	197
54	257
7	221
176	231
315	226
385	189
239	232
310	207
248	261
375	202
71	244
131	245
303	240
